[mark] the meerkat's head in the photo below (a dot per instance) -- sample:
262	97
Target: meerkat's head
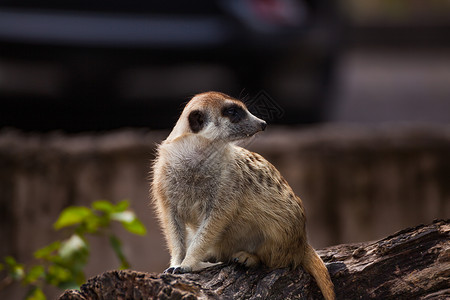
217	116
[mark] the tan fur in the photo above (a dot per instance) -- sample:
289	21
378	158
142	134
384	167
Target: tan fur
220	202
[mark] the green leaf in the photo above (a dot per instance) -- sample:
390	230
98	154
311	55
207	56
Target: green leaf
57	275
126	216
103	205
18	273
64	261
75	244
135	227
34	274
94	223
36	294
16	270
122	206
72	215
117	247
130	222
47	251
10	261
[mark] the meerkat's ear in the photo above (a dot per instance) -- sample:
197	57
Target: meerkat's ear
196	120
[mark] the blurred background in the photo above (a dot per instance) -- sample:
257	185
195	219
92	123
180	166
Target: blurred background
90	65
357	94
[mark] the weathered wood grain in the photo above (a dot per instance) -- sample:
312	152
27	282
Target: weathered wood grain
411	264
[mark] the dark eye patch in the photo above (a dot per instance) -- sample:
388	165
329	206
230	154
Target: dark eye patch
234	112
196	120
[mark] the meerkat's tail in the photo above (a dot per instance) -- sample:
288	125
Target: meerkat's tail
314	265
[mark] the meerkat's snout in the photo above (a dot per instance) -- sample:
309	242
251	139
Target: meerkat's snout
260	123
251	124
263	125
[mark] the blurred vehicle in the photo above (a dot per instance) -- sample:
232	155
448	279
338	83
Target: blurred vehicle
97	65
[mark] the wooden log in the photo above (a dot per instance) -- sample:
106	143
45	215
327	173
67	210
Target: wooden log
411	264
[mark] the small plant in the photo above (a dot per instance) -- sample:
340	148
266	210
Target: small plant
62	263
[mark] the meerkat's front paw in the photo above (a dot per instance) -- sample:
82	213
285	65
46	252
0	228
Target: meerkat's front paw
178	270
246	259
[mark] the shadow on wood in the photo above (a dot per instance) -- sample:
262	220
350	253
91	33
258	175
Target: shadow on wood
411	264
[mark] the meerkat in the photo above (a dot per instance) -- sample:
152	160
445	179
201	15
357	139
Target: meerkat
219	202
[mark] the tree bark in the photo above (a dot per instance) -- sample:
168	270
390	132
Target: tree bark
411	264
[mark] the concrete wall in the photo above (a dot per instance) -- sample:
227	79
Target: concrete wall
357	184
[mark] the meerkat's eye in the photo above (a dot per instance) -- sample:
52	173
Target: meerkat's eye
234	112
231	111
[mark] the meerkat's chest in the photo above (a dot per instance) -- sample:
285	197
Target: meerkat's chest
192	183
187	183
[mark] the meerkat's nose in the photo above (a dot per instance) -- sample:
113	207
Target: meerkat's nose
263	125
